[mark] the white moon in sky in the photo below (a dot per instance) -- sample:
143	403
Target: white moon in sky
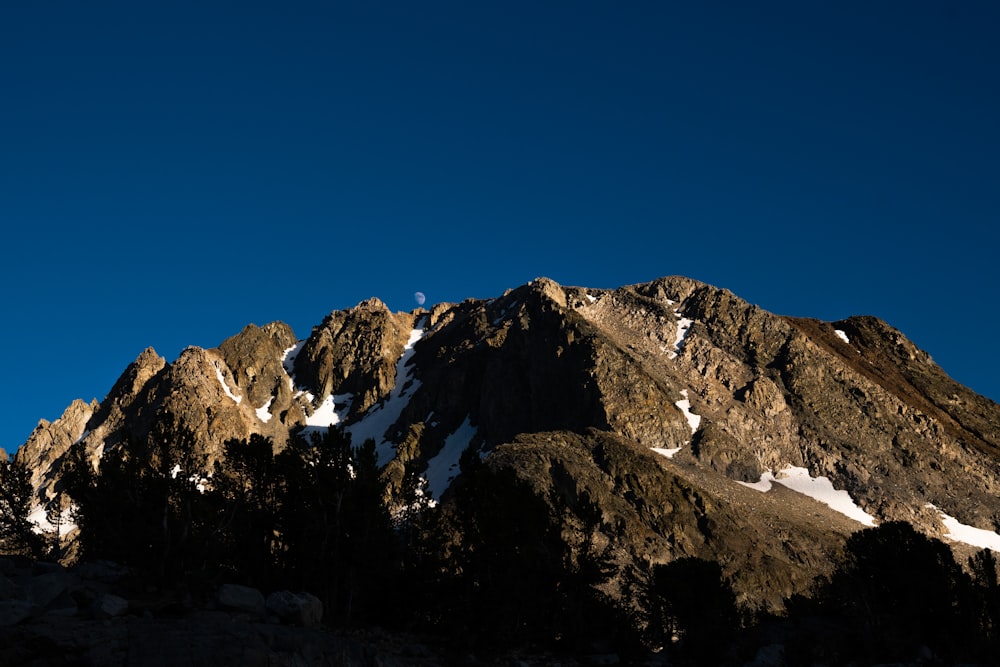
420	298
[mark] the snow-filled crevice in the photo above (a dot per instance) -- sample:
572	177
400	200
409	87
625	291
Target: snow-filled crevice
288	362
683	328
377	420
225	387
693	420
264	411
444	466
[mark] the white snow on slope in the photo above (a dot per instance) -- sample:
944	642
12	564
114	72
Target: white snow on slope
842	336
685	405
693	421
669	453
443	468
288	361
683	327
327	414
39	519
264	411
381	416
817	488
225	387
764	485
959	532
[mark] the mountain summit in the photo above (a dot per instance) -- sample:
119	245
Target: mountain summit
697	423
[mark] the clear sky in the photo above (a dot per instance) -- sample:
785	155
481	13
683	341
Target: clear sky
170	171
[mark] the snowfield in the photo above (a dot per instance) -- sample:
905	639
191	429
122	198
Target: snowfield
817	488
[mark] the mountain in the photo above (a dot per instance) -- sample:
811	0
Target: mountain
697	423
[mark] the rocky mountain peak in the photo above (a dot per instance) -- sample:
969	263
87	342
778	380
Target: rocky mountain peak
354	352
49	442
254	356
697	420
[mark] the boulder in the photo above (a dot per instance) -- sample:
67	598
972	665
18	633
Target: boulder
240	598
303	609
110	606
13	612
100	570
63	605
9	590
45	588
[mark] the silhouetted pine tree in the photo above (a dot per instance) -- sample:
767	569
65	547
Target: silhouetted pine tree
983	566
17	534
246	490
502	576
895	594
142	506
693	603
336	536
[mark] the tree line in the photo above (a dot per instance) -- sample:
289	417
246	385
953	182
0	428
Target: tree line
493	567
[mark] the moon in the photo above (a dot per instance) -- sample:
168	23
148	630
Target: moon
420	298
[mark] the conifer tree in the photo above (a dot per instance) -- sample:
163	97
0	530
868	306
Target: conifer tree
17	533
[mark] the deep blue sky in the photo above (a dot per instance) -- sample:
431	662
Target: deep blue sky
170	171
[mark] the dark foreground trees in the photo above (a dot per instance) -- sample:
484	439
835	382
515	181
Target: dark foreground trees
898	596
497	565
309	518
17	535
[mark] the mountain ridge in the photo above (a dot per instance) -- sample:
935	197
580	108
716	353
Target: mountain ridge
685	382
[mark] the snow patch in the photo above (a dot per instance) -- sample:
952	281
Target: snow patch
960	532
685	405
225	387
693	421
817	488
264	411
444	467
327	414
288	361
683	328
382	415
764	485
842	336
40	520
669	453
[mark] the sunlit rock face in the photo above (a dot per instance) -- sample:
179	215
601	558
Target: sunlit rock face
698	423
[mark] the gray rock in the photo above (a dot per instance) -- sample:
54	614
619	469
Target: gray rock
102	570
297	608
240	598
45	588
772	655
45	567
62	605
110	606
13	612
10	590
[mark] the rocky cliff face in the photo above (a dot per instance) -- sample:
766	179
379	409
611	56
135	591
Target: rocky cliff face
674	404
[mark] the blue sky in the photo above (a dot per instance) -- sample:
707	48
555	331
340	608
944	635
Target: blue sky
170	171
